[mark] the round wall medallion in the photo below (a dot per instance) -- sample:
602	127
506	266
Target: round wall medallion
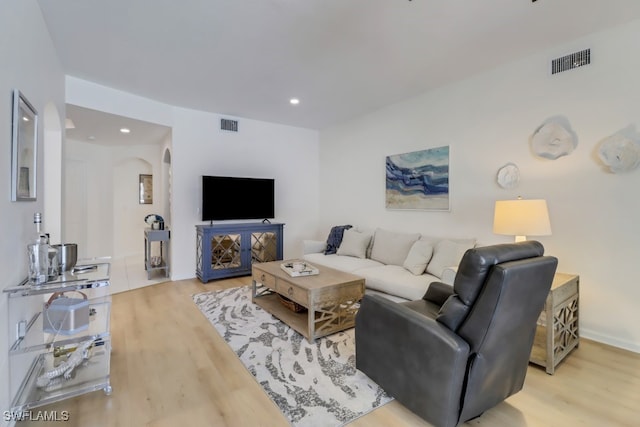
554	139
508	176
619	153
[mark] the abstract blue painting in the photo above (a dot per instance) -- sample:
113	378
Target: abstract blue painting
418	180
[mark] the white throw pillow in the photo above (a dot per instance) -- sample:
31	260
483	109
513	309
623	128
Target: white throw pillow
418	258
354	244
370	231
448	253
390	247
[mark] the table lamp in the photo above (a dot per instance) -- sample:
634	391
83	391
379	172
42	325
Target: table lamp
521	218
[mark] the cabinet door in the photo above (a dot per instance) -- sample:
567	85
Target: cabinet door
264	246
226	251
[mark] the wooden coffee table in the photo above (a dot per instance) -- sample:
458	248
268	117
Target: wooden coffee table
331	297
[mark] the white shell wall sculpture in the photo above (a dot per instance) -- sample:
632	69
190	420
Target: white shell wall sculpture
508	176
620	152
554	138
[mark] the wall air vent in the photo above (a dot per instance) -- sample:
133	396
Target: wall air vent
571	61
230	125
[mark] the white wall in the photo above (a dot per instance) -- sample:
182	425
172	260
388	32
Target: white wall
104	216
29	63
198	147
53	172
487	120
259	149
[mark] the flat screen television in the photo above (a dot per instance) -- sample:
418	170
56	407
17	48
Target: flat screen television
225	197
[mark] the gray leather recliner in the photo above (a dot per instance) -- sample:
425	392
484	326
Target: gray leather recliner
460	350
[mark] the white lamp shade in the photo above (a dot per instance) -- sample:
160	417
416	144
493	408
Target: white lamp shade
521	218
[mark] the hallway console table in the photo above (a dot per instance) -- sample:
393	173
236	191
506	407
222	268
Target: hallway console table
161	237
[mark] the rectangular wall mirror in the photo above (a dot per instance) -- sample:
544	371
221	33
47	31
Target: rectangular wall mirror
23	149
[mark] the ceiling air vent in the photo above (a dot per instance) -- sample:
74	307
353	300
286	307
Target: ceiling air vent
571	61
230	125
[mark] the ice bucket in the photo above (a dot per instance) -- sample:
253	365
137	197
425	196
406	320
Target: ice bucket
67	255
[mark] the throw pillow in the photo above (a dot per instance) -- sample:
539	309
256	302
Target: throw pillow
448	253
354	244
370	231
418	258
390	247
335	238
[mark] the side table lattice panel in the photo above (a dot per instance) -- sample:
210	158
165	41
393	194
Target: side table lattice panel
558	330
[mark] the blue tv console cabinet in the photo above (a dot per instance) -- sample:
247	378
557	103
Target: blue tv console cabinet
228	250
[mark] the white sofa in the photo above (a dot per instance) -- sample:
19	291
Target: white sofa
401	266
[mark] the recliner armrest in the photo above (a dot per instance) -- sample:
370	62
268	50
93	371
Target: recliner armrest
392	341
375	309
438	293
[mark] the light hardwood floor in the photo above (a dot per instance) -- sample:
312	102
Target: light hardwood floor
170	368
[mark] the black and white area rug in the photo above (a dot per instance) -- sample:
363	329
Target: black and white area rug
312	384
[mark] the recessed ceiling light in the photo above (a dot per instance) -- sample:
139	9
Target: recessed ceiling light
91	138
125	130
294	101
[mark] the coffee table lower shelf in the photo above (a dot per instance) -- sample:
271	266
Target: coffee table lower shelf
297	321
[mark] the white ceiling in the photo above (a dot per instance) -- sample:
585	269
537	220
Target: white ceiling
102	128
341	58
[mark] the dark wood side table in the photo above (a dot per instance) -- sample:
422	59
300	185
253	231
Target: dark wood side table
558	331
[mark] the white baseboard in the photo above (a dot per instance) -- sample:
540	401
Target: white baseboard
609	340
